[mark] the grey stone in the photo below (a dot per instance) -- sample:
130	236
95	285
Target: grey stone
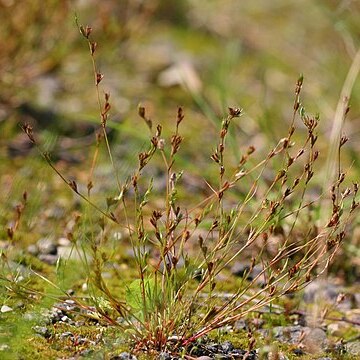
289	334
5	309
68	253
227	347
68	305
164	356
353	348
124	356
47	246
357	300
33	249
20	305
53	316
240	325
18	268
321	290
66	334
66	319
4	347
30	316
315	340
64	242
48	258
298	352
82	340
42	330
242	269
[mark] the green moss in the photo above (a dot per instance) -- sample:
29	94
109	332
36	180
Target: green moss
33	263
98	340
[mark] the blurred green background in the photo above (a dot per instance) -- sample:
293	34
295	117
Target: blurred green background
205	55
224	53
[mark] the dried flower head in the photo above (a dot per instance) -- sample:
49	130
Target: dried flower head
235	112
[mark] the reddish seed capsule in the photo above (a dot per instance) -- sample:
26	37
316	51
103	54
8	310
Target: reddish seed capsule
235	112
99	77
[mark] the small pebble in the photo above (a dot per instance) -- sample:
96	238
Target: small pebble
30	316
321	290
5	309
227	347
298	352
4	347
65	319
64	242
33	250
81	340
353	348
20	305
55	315
241	269
47	247
124	356
42	330
66	334
164	356
48	258
315	340
289	334
357	301
240	325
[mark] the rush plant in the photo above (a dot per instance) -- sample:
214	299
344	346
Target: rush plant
258	210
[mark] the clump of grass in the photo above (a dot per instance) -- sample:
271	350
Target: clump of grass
180	253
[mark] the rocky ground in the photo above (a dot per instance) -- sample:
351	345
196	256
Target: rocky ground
324	326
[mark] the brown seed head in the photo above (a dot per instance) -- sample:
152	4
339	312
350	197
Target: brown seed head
235	112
